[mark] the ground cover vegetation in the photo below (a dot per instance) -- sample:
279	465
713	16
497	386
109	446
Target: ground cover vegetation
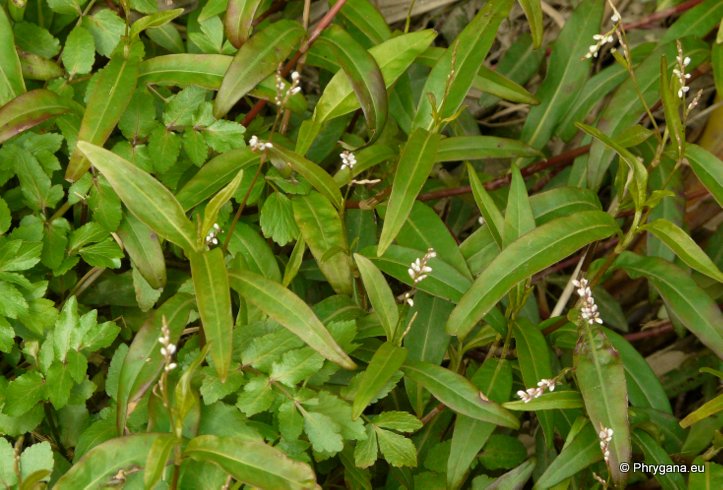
283	244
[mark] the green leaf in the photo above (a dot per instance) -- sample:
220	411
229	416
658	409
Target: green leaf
67	7
164	147
533	12
156	19
144	250
708	168
709	408
210	214
363	74
257	396
684	247
518	215
79	51
324	434
7	472
380	295
296	365
413	169
107	29
393	58
277	219
549	401
492	216
158	456
313	173
600	377
291	312
11	76
365	17
144	196
396	420
252	462
257	255
322	231
502	452
239	19
105	204
294	263
23	393
459	148
566	74
30	109
215	174
35	39
396	449
582	448
463	58
210	281
138	120
109	93
387	359
366	451
183	70
458	393
34	459
671	107
491	82
526	256
59	384
255	60
224	135
98	466
683	297
656	455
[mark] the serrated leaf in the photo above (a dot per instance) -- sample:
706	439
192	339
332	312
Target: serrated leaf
277	219
324	434
396	449
295	366
387	359
79	51
224	135
397	420
23	393
106	28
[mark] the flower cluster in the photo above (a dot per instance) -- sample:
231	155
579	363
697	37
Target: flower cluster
418	270
606	436
167	348
257	145
532	393
348	160
211	238
295	88
601	40
679	72
589	311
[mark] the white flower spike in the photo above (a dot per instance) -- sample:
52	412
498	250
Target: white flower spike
589	311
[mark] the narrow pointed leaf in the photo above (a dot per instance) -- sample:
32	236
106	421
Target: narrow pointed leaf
526	256
491	82
683	297
380	295
252	462
415	164
158	455
533	12
518	215
214	206
258	58
156	19
549	401
291	312
11	75
656	455
144	249
709	408
363	73
387	360
98	466
460	148
210	281
317	176
109	94
463	58
30	109
144	196
582	448
600	377
708	168
492	216
181	70
239	20
458	393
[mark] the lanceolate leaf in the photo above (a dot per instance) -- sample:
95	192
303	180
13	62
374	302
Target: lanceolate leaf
463	58
322	231
362	71
210	281
566	73
182	70
518	215
252	462
533	12
683	297
708	168
492	217
11	76
393	58
98	466
415	164
312	172
380	295
291	312
524	257
386	361
144	249
239	19
582	448
601	379
30	109
460	148
549	401
258	58
110	91
458	393
144	196
684	247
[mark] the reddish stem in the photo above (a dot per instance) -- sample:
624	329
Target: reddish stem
663	14
652	332
323	24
